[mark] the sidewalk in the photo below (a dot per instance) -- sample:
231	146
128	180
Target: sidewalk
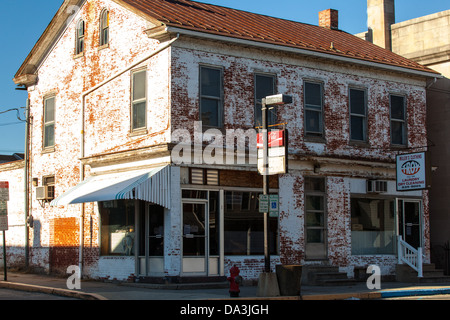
97	290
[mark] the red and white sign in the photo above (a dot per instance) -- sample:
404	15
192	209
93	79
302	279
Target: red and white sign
277	153
4	191
276	139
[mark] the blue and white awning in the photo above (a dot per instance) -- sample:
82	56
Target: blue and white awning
152	185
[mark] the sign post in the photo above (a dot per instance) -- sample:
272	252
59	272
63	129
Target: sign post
264	165
4	198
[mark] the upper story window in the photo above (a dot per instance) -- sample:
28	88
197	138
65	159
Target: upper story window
80	37
211	96
264	86
104	27
313	95
139	100
398	120
358	114
49	123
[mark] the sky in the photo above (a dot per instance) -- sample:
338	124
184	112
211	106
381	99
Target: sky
27	20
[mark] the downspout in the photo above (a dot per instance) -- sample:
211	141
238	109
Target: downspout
26	185
82	139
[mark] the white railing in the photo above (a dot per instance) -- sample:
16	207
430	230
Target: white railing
412	257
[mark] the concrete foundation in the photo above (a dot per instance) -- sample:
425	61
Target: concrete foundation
268	285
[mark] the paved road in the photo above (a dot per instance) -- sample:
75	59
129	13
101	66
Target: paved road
8	294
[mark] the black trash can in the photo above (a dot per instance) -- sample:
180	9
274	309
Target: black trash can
289	279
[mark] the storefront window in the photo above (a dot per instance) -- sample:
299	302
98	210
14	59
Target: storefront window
244	225
373	226
117	227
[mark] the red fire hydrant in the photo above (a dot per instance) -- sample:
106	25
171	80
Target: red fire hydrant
235	280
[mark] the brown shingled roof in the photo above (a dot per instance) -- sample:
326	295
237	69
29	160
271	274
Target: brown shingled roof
239	24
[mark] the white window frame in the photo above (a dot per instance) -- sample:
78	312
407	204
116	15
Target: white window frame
104	27
50	123
79	39
137	101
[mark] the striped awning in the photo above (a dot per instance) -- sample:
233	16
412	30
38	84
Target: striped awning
152	185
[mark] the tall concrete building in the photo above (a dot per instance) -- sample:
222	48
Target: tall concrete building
425	40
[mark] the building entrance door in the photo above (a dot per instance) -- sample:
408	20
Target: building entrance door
200	242
410	221
151	246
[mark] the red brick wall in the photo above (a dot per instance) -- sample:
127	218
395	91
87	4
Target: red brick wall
64	243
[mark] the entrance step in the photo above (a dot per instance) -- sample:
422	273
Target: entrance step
323	275
405	273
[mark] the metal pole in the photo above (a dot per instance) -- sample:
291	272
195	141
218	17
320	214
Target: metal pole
266	184
4	257
26	203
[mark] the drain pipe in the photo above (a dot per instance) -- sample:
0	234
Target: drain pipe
82	138
26	185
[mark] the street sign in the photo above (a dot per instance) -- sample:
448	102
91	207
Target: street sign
4	198
276	139
263	203
270	204
277	153
4	191
273	206
3	216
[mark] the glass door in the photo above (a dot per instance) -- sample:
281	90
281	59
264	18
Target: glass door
151	246
195	226
202	253
410	221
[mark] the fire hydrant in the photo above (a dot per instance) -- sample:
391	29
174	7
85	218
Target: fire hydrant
235	280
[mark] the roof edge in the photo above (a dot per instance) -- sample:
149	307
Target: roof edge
266	45
51	34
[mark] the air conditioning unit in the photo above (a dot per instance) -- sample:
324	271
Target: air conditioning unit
376	186
42	193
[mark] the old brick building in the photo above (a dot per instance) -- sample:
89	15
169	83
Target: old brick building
114	87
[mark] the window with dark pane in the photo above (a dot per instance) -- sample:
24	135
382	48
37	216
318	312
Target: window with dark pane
211	104
264	86
398	120
104	27
313	109
358	115
80	37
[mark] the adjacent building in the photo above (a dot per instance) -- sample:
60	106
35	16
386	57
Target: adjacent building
131	102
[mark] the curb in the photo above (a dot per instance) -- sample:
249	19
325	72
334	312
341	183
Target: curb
414	292
54	291
344	296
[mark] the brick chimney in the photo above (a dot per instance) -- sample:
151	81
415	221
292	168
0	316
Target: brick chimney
329	19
